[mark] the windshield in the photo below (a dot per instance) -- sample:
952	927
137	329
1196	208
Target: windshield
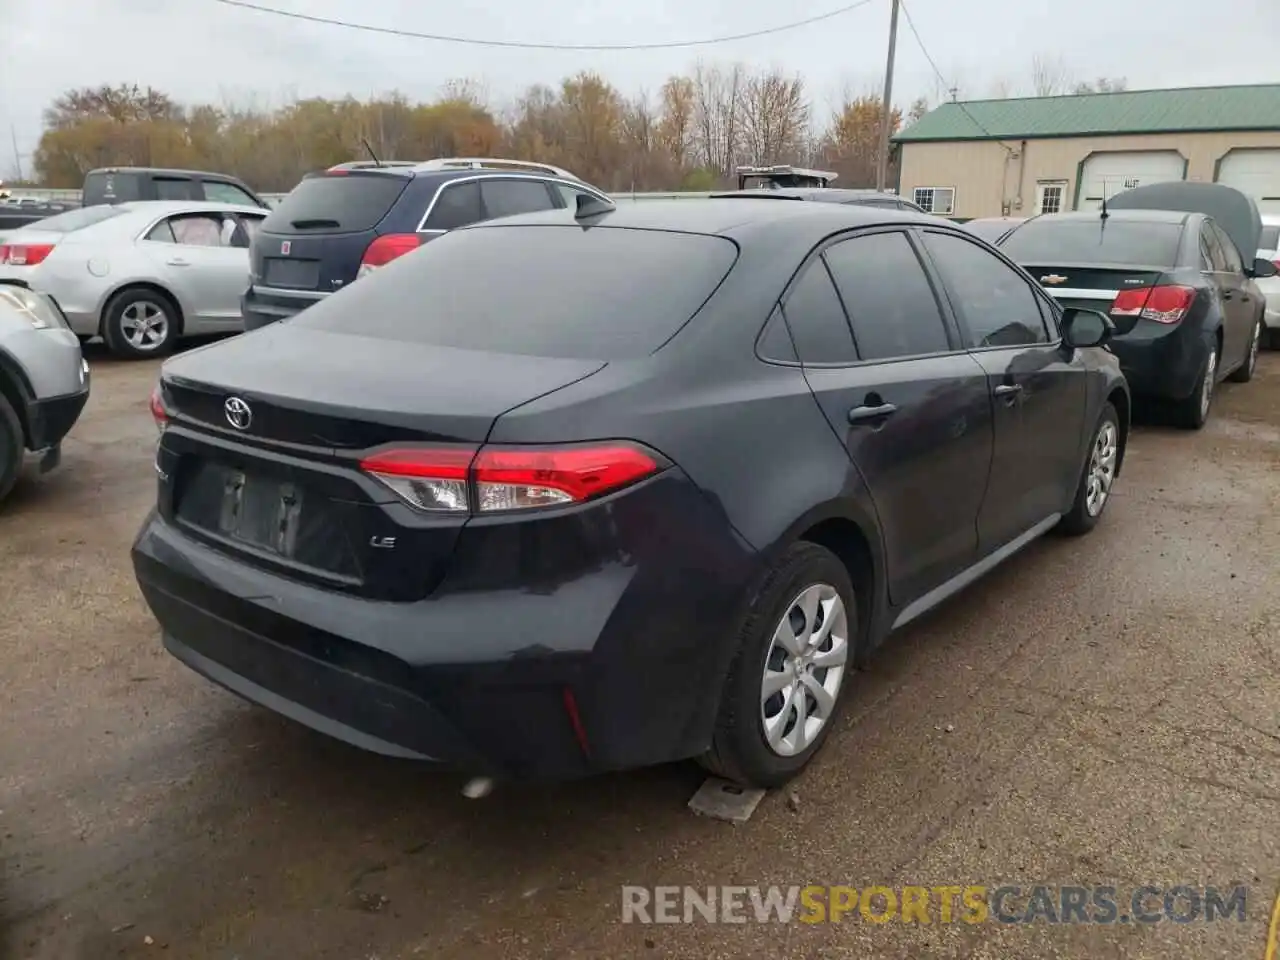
1050	240
545	291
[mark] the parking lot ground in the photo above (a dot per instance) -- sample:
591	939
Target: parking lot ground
1098	711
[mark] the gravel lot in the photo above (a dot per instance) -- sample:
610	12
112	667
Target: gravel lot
1104	710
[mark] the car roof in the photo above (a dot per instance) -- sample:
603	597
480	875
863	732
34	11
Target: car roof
1139	216
166	171
734	218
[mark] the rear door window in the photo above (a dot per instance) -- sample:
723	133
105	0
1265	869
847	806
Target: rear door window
816	319
175	188
890	320
1230	256
457	205
348	203
1217	256
505	198
546	291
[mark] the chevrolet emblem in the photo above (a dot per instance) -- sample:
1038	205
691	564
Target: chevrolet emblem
1053	278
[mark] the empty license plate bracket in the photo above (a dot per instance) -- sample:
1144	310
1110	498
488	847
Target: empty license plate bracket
261	512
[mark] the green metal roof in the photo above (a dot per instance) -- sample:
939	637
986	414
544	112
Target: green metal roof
1132	111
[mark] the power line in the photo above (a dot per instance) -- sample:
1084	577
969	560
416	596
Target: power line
938	73
523	45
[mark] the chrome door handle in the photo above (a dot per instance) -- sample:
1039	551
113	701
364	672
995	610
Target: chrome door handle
1009	391
864	414
176	262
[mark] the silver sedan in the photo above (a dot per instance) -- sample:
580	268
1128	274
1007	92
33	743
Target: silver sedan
140	274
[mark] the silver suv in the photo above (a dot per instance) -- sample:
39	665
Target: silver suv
44	381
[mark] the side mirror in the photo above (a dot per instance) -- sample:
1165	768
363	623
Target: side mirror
1085	328
1263	269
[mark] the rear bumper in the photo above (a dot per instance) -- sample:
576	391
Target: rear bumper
261	307
478	679
1159	361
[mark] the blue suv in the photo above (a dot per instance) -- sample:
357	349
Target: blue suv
341	223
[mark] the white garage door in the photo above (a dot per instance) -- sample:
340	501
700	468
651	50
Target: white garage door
1106	174
1257	173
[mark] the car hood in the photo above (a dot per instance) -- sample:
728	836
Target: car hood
1235	212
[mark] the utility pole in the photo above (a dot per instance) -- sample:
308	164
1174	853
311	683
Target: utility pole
17	157
886	104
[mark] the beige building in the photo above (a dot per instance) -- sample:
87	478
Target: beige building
1023	157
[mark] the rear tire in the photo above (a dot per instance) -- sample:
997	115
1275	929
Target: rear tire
798	637
1193	412
11	447
1093	492
1244	373
139	322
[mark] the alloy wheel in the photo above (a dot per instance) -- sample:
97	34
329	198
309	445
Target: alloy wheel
803	669
144	325
1102	469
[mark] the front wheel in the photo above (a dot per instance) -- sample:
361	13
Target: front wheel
1094	489
784	689
11	446
1244	373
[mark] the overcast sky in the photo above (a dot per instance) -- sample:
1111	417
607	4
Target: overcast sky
203	50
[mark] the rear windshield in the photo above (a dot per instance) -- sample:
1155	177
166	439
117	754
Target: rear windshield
110	188
348	203
546	291
1270	238
74	220
1047	240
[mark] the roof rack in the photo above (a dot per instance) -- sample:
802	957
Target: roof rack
371	164
481	163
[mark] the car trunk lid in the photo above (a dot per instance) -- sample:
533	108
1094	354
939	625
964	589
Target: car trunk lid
265	435
1095	287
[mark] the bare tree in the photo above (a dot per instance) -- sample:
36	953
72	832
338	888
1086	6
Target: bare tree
1102	85
717	104
775	117
1050	75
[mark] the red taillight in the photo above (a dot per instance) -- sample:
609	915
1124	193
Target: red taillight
1277	263
159	413
509	478
24	254
385	249
1161	304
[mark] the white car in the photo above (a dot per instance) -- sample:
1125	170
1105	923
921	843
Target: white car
142	274
1270	286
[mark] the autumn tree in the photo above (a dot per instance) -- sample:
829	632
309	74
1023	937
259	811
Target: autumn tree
852	144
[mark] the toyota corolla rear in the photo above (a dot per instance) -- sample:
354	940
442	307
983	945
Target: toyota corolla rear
336	538
1126	266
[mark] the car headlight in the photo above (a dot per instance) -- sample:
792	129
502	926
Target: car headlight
42	312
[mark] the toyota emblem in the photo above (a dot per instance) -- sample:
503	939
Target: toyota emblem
238	413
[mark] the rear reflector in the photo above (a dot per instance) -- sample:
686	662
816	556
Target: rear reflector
1167	304
385	249
24	254
492	479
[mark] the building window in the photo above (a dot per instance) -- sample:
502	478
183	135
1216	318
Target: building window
1051	196
936	200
